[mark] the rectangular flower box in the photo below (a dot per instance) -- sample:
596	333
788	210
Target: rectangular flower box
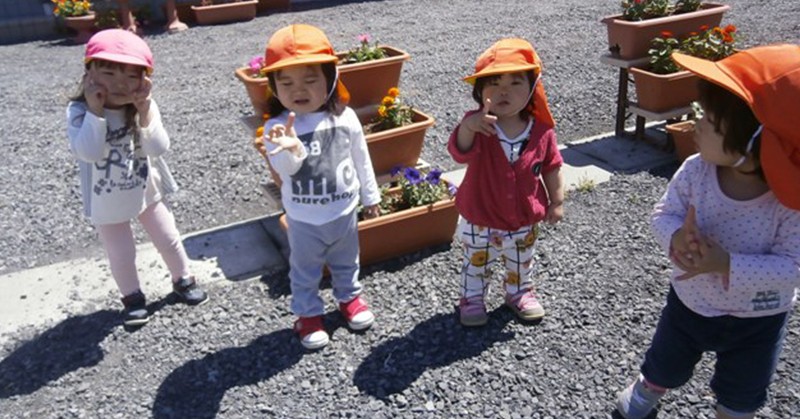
237	11
663	92
369	81
400	146
629	40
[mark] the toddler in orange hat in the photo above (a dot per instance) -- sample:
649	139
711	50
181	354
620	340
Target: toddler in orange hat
115	132
730	223
317	146
512	181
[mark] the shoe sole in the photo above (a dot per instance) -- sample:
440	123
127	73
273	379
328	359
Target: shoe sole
474	322
363	325
138	322
522	316
315	345
188	303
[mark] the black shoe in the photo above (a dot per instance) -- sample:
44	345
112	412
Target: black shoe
187	291
135	312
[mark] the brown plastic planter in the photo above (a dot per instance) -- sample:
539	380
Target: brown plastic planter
400	146
238	11
368	82
663	92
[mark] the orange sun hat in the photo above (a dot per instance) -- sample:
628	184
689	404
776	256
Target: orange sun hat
513	55
301	44
767	78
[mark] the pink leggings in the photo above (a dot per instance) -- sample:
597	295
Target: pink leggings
120	247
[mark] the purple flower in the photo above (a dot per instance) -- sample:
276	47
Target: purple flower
256	63
433	176
364	38
412	175
396	171
452	189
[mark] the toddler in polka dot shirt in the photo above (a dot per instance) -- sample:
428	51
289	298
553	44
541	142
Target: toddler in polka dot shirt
730	222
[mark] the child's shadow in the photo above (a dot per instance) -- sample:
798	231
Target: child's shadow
196	388
69	346
437	342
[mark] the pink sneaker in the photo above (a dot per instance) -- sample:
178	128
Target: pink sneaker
311	331
357	314
525	305
473	311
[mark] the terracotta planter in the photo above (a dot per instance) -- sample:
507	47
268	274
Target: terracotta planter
682	134
82	25
662	92
369	81
256	89
397	146
629	40
272	5
238	11
404	232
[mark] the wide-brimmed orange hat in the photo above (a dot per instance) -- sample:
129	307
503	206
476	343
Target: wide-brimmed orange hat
513	55
768	79
301	44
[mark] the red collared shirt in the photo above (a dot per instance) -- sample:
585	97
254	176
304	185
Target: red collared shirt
498	194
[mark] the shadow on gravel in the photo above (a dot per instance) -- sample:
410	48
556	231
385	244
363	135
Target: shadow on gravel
437	342
69	346
195	389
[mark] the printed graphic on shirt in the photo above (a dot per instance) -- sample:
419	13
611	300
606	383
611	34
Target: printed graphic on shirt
122	170
327	174
766	300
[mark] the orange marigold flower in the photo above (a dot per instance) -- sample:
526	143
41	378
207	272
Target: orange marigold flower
266	116
730	29
259	131
727	37
382	111
394	92
667	34
704	28
387	101
692	33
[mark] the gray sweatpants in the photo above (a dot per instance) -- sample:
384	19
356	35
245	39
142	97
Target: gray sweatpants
312	247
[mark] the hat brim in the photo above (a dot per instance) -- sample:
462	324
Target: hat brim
780	171
304	60
501	70
122	59
711	71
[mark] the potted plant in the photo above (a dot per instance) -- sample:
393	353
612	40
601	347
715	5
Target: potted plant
417	211
630	32
369	69
395	132
682	134
255	83
211	12
78	16
662	86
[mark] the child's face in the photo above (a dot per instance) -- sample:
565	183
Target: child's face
509	94
119	80
301	89
709	143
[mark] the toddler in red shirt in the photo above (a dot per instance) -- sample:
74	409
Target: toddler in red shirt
513	179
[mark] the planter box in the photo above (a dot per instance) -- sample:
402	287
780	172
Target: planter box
663	92
682	134
369	81
226	12
405	231
256	89
83	26
629	40
397	146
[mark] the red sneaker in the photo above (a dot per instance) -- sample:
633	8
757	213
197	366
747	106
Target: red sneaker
311	331
357	313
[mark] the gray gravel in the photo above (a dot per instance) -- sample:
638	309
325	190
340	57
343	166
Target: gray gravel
602	278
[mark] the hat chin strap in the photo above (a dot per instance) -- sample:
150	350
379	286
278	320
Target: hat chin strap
530	95
749	147
333	85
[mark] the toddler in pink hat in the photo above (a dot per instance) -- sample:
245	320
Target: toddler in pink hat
115	133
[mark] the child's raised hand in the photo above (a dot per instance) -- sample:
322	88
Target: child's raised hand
684	247
481	121
94	92
284	137
555	212
141	96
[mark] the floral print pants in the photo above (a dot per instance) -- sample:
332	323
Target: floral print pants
483	245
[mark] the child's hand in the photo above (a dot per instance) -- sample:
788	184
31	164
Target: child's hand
711	257
94	92
258	143
555	213
371	211
685	243
285	137
141	96
481	121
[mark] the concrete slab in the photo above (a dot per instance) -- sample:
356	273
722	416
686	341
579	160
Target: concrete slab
625	155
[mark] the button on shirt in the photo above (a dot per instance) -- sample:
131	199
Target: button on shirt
497	192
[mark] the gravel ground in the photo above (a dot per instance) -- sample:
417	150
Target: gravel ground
235	357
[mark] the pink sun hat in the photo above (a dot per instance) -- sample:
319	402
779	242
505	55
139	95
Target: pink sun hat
119	46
